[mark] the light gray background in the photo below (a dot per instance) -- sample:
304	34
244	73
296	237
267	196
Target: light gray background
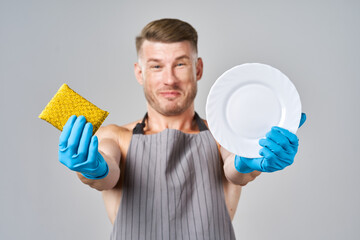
90	45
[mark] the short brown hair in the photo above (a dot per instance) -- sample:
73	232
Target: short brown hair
167	30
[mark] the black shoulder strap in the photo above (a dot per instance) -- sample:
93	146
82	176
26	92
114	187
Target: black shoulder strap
139	128
202	126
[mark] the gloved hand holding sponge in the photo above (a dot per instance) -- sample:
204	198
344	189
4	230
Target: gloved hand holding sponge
279	149
78	149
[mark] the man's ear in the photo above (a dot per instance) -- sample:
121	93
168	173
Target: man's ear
138	73
199	69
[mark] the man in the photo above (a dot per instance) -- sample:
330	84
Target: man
165	177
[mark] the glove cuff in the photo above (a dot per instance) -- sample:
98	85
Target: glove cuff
101	171
241	166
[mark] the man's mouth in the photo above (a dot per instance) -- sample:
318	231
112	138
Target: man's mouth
169	94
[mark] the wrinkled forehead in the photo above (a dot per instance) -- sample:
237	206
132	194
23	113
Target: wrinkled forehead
166	51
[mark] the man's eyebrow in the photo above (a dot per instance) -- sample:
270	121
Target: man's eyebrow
158	60
153	60
182	57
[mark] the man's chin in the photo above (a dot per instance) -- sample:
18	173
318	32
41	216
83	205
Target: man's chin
172	112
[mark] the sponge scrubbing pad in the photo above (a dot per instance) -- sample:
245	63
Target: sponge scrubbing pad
66	103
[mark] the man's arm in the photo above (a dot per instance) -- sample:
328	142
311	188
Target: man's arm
79	151
110	151
232	174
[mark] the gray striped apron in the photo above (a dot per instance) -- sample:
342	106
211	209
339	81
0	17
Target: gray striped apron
172	188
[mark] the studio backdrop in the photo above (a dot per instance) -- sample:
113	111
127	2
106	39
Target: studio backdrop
90	45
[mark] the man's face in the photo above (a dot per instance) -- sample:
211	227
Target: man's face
169	73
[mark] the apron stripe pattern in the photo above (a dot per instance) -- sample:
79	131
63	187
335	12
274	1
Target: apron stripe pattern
173	188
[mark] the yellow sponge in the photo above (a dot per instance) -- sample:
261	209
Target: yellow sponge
66	103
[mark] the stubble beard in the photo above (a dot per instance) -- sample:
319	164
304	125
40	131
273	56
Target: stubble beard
175	107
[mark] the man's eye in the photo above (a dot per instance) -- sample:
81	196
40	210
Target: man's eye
156	66
180	64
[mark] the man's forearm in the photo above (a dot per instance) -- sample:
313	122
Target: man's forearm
236	177
233	175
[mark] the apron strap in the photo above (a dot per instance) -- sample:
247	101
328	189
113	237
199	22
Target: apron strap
139	128
202	126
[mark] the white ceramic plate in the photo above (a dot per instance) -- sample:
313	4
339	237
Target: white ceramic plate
246	101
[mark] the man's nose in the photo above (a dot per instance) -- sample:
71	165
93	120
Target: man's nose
169	76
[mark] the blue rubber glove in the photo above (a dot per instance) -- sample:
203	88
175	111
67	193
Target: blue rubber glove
78	149
279	149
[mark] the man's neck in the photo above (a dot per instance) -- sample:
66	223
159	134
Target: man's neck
158	122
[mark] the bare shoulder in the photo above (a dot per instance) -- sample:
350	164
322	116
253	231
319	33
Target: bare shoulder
130	126
116	132
116	129
111	131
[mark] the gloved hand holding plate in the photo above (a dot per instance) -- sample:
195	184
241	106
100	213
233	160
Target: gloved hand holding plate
246	101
